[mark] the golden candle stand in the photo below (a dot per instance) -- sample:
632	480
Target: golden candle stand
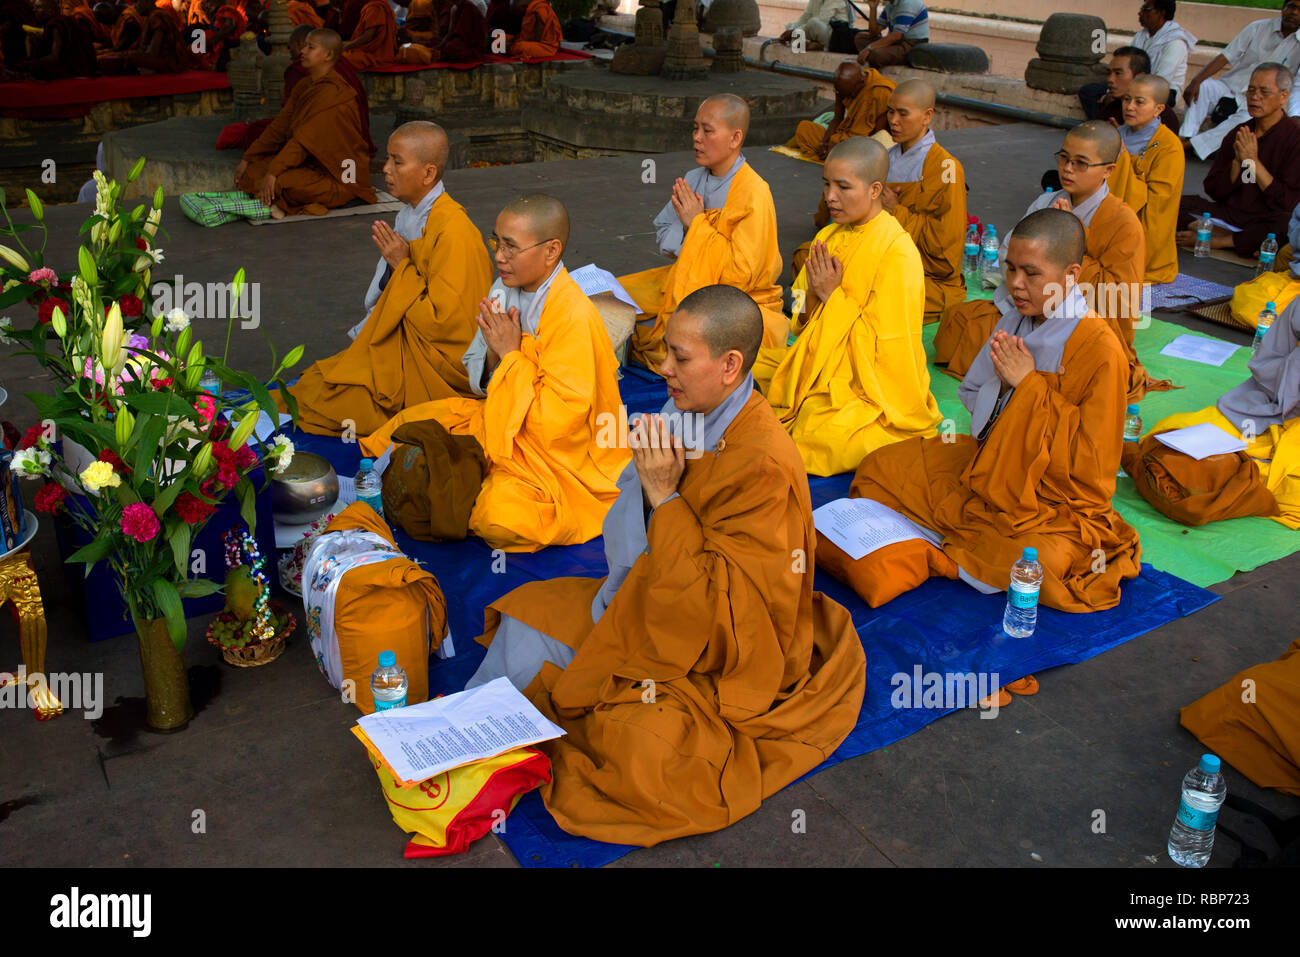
20	589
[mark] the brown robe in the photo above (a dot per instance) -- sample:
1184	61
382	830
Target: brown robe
933	211
717	675
863	115
1043	477
311	146
1114	261
381	49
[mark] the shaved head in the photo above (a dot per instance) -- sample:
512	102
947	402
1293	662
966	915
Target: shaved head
867	159
1156	87
427	142
327	40
729	319
849	80
1101	135
733	110
1060	232
917	92
546	216
299	35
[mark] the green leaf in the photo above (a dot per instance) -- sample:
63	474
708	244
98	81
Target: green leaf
167	497
260	393
199	588
148	436
96	551
247	504
158	403
169	603
180	542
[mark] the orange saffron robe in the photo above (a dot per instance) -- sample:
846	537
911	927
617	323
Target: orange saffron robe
382	49
933	211
756	678
540	35
302	13
1151	184
409	350
863	115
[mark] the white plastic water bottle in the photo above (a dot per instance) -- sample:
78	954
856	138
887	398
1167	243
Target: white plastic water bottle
209	382
1267	254
970	260
370	487
1132	429
990	268
389	683
1021	615
1203	230
1262	325
1192	837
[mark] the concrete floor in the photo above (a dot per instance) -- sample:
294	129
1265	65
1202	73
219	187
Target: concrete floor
269	761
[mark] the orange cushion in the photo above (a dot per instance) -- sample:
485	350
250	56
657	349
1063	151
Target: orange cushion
881	576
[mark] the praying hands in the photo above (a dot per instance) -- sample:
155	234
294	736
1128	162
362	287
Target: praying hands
1012	361
687	203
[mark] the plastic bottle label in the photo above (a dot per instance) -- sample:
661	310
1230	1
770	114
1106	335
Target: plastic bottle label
1197	820
1202	235
1266	259
374	501
972	249
385	705
1022	596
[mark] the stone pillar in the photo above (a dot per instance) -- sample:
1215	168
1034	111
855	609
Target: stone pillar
728	51
1070	49
245	73
741	14
645	55
279	26
685	59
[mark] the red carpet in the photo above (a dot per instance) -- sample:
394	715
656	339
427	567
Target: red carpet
487	58
56	99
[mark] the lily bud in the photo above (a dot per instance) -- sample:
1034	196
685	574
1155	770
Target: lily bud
183	341
123	426
192	375
156	328
58	323
151	224
35	204
195	358
203	460
292	359
158	199
243	431
115	231
112	339
132	176
14	259
86	266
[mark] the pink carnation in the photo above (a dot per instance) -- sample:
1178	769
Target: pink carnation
140	522
44	274
207	408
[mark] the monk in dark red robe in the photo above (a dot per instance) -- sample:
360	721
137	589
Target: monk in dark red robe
462	32
64	49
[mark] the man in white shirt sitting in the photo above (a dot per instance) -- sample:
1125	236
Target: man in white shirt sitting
815	22
1166	43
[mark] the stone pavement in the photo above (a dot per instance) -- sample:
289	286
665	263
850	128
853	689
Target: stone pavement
269	759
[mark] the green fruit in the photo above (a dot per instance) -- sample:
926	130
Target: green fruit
242	592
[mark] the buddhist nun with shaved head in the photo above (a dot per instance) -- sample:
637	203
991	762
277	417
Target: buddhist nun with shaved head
926	193
545	368
314	156
420	308
719	226
856	377
1149	174
703	674
1111	269
1047	395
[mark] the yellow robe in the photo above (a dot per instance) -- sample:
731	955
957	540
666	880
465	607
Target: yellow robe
1276	451
1278	287
734	245
410	348
549	482
856	378
933	211
1151	184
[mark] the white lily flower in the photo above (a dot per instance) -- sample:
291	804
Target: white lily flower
6	327
177	320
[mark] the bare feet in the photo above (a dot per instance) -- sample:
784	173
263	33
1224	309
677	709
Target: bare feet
277	212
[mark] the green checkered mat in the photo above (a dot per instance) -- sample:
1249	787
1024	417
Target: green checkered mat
217	209
1202	556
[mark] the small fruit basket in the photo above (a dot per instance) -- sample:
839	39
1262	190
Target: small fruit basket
238	642
252	629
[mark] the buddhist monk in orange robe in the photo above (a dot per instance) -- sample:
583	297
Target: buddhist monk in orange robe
540	35
543	362
1253	722
861	97
302	13
1047	395
313	157
926	193
703	674
421	318
128	28
1149	174
719	226
1112	268
374	42
80	10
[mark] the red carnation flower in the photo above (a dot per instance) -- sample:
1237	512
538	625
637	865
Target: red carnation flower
141	244
160	383
46	312
131	306
245	458
111	457
50	498
227	477
193	509
32	436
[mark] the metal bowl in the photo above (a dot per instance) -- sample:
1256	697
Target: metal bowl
304	491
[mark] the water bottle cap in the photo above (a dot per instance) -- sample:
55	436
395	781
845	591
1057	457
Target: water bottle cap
1051	189
1132	410
1269	305
1209	764
387	659
1272	235
367	464
1030	555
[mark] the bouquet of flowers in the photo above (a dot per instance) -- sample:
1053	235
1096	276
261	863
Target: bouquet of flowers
127	426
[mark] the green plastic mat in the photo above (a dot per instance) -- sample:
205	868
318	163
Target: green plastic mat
1202	556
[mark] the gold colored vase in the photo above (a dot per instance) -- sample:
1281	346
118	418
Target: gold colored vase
166	685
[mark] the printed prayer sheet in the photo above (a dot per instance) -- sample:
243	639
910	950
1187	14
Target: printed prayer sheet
859	526
1201	441
1210	352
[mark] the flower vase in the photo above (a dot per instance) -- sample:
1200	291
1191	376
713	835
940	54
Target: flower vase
166	685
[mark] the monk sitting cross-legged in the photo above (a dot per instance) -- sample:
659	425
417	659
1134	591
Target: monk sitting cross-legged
374	41
856	378
926	193
719	226
64	49
1046	394
432	274
1149	176
313	157
703	674
1111	268
540	35
860	100
545	365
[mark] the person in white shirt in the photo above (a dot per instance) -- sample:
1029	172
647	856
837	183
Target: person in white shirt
1274	41
1165	42
815	21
